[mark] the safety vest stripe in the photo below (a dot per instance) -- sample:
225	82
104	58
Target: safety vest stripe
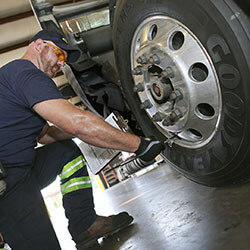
76	180
76	184
72	167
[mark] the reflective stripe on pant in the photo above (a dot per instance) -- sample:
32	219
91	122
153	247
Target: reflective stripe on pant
73	184
76	188
76	184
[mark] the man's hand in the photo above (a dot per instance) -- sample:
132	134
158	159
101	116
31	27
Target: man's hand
149	149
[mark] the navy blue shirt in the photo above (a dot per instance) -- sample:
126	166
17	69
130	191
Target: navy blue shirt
22	85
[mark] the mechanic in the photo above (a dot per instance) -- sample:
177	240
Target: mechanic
28	100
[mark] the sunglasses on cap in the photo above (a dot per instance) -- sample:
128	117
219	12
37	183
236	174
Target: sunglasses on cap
59	53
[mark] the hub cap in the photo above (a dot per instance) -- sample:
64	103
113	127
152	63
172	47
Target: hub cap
176	81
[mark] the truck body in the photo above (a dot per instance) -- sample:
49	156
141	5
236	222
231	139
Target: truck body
183	73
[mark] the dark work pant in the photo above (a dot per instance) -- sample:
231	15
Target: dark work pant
24	220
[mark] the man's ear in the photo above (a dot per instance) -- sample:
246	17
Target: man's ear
39	44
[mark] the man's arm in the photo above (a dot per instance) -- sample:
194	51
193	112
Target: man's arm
86	126
51	134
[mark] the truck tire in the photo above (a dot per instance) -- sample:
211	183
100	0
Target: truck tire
184	68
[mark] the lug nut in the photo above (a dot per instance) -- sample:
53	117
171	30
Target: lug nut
168	106
167	122
139	87
137	71
176	114
143	59
176	95
146	105
168	73
154	59
158	117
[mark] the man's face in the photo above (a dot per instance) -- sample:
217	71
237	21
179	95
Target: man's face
50	60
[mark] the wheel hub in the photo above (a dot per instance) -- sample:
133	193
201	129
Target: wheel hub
175	81
160	91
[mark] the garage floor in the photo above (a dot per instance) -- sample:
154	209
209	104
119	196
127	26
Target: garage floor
172	213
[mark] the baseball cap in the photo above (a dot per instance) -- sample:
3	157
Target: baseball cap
59	40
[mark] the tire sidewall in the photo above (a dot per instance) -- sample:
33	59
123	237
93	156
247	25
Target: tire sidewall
210	25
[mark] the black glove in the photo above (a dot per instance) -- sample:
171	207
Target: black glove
149	149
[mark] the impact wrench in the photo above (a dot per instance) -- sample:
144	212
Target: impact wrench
168	142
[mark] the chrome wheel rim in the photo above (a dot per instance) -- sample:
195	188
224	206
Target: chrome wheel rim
176	81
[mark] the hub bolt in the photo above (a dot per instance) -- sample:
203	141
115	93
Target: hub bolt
139	87
167	122
137	70
143	59
176	114
176	95
146	105
168	73
158	117
154	59
168	106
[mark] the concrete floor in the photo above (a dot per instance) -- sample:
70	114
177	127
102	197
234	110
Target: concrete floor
172	213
